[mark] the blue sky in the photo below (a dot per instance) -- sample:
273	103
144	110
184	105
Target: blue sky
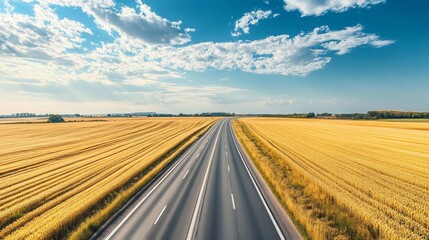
252	56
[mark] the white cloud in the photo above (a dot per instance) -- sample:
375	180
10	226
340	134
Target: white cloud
344	46
142	24
242	25
320	7
44	36
43	42
281	54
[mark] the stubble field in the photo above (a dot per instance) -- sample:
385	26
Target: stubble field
54	175
345	179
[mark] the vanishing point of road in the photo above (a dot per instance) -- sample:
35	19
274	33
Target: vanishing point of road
211	192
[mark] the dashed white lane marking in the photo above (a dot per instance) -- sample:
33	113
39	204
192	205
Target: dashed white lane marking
232	198
185	174
160	214
228	169
203	186
197	155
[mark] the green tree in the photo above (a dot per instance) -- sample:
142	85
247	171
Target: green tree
54	118
311	115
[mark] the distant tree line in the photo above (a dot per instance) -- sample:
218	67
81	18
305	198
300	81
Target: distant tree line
396	114
30	115
324	114
354	116
293	115
372	115
216	114
23	115
161	115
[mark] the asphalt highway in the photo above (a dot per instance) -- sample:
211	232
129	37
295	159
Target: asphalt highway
210	192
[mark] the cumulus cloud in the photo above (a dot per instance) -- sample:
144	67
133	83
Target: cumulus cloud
49	38
42	36
242	25
143	24
140	23
283	55
320	7
124	63
45	42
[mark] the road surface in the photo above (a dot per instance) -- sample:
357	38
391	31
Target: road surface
211	192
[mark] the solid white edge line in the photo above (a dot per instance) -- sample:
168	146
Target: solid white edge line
257	189
159	215
185	174
232	198
200	195
162	179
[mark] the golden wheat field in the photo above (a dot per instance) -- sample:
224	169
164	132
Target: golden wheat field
51	174
377	170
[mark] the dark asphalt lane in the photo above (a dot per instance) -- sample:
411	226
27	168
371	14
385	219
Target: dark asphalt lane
210	192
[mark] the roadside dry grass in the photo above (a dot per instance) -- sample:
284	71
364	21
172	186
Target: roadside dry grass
345	179
55	178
